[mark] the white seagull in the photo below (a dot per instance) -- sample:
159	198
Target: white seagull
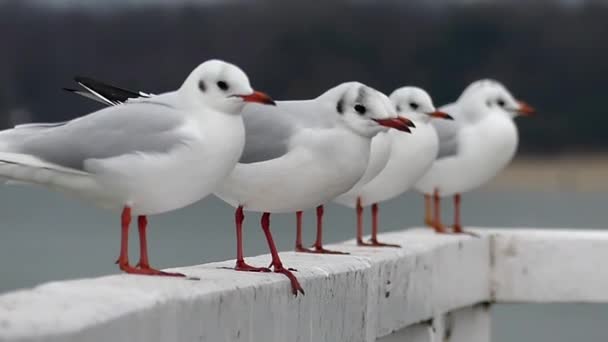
298	155
473	148
378	158
144	157
301	154
401	158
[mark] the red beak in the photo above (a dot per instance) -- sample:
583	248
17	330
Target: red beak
258	97
399	123
406	121
525	109
440	115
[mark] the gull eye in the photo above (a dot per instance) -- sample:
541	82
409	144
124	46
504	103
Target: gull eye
360	109
202	86
501	102
222	85
414	105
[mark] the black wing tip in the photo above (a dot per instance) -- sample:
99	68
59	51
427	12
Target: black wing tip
91	82
84	79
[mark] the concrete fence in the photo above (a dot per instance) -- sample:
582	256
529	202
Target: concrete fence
436	288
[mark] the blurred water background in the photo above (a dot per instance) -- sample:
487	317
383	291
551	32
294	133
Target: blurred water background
553	54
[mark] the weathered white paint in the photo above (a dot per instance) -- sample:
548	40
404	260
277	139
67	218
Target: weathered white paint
471	324
433	281
549	266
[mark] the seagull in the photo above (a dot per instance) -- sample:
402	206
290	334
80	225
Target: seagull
298	155
147	156
473	148
401	158
378	158
302	154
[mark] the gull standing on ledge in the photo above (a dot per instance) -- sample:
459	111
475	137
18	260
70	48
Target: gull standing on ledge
301	154
473	148
298	155
379	154
146	157
409	157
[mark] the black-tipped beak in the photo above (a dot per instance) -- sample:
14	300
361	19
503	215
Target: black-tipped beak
399	123
407	121
258	97
525	109
440	115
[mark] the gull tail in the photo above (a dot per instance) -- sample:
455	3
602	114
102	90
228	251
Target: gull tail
23	168
104	93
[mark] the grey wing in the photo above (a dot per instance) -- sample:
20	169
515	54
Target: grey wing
447	132
267	133
110	132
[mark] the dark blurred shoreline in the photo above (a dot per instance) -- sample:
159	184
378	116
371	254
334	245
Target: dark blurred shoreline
554	57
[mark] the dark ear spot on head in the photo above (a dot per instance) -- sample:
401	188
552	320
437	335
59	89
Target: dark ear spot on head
398	108
201	85
340	106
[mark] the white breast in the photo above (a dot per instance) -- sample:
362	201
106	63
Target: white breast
320	165
411	157
484	150
380	153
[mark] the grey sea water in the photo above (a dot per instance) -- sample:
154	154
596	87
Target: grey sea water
47	236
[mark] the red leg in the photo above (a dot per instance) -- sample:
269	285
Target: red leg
373	242
142	223
276	260
428	211
457	225
437	225
318	245
299	244
123	259
144	263
241	265
359	210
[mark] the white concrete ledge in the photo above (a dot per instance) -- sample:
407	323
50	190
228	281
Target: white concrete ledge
549	266
361	297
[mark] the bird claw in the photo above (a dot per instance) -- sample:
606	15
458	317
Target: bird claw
244	267
439	229
302	249
458	230
295	284
319	250
376	243
148	271
142	265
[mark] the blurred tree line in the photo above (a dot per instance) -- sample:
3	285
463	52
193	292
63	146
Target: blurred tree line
554	57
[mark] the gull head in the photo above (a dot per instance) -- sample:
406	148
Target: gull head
488	96
415	103
221	86
364	110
